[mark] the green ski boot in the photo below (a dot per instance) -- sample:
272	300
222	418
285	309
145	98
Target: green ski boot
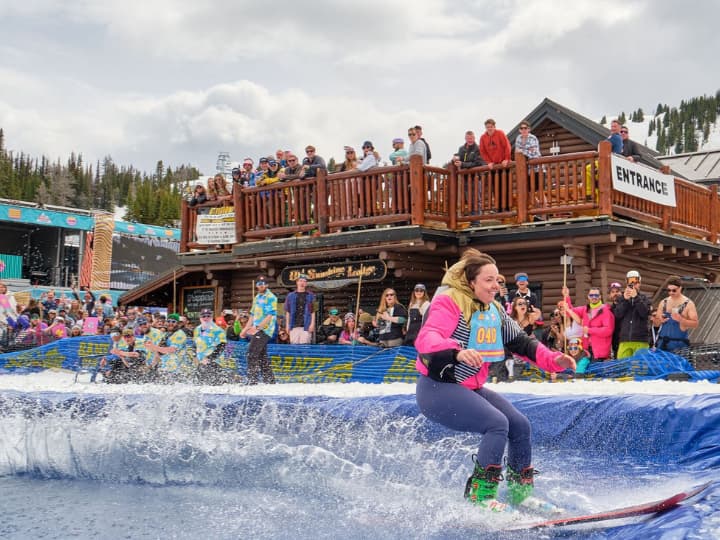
482	487
520	492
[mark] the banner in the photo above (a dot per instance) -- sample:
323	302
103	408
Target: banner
642	181
217	227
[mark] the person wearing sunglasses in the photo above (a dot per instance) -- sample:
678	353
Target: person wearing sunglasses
631	313
390	320
417	307
630	150
417	145
581	356
675	316
210	341
597	321
260	328
312	163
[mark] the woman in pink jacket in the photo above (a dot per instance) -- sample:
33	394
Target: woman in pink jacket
465	329
598	323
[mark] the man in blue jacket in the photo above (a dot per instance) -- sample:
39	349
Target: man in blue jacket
300	312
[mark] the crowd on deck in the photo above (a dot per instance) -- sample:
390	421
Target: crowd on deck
492	149
153	346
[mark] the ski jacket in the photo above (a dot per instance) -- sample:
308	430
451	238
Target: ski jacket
600	323
632	316
446	332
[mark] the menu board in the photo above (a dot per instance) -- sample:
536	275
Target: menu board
195	299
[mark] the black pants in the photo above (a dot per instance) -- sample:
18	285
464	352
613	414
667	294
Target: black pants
258	361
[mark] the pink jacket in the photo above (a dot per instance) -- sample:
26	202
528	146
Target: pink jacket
443	319
600	325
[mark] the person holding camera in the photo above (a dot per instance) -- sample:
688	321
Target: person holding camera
631	314
675	316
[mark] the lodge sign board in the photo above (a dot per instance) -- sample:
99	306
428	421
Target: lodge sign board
338	274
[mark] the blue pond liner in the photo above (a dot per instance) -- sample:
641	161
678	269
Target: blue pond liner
329	467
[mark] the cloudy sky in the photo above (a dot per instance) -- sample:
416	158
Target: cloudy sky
182	80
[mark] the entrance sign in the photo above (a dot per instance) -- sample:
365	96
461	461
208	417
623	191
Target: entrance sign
217	227
335	275
642	181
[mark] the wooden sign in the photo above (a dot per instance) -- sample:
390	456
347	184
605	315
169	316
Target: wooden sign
335	275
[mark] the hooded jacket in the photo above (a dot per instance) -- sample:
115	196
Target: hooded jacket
446	331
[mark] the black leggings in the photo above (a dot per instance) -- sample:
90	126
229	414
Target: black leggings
258	361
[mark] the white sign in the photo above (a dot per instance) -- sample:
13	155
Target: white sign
642	181
217	227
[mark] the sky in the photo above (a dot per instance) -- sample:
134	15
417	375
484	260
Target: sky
181	81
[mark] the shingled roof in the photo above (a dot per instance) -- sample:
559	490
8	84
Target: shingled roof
588	130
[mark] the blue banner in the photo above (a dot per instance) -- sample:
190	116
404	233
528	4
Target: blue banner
341	363
154	231
51	218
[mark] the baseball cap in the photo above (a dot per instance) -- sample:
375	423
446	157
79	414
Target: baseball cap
367	144
141	320
59	319
261	280
615	285
173	317
349	316
205	312
236	170
419	286
302	276
633	274
263	160
333	311
398	140
272	162
128	332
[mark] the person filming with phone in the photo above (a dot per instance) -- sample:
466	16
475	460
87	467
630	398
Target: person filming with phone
631	314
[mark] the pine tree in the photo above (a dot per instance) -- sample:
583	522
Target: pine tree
603	120
659	109
622	119
661	145
640	115
651	128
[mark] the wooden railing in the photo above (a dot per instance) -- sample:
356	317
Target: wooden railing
567	185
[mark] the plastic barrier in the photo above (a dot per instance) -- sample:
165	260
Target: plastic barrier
341	363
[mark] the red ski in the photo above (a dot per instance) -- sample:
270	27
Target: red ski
620	513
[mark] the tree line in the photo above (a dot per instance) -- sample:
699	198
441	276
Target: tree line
153	198
679	129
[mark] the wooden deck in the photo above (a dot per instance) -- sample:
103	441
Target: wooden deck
566	186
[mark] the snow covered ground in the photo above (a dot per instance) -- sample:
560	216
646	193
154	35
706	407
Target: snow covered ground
64	382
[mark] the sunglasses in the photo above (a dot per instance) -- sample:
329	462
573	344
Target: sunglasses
309	151
623	131
411	134
524	127
206	316
521	304
501	283
593	296
573	348
389	294
672	289
292	160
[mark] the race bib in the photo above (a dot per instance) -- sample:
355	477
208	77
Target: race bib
486	335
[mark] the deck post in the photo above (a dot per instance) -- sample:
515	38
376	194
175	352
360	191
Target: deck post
238	200
605	197
184	225
523	187
453	197
667	211
417	190
321	200
714	214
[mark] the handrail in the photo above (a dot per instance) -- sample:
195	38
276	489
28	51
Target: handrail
567	185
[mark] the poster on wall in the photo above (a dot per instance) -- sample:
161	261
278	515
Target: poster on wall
217	227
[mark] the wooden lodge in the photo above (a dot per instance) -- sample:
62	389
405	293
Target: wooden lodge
404	224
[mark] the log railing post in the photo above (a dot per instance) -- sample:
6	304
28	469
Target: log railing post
238	201
523	187
605	196
714	214
452	199
417	190
321	201
667	211
184	225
